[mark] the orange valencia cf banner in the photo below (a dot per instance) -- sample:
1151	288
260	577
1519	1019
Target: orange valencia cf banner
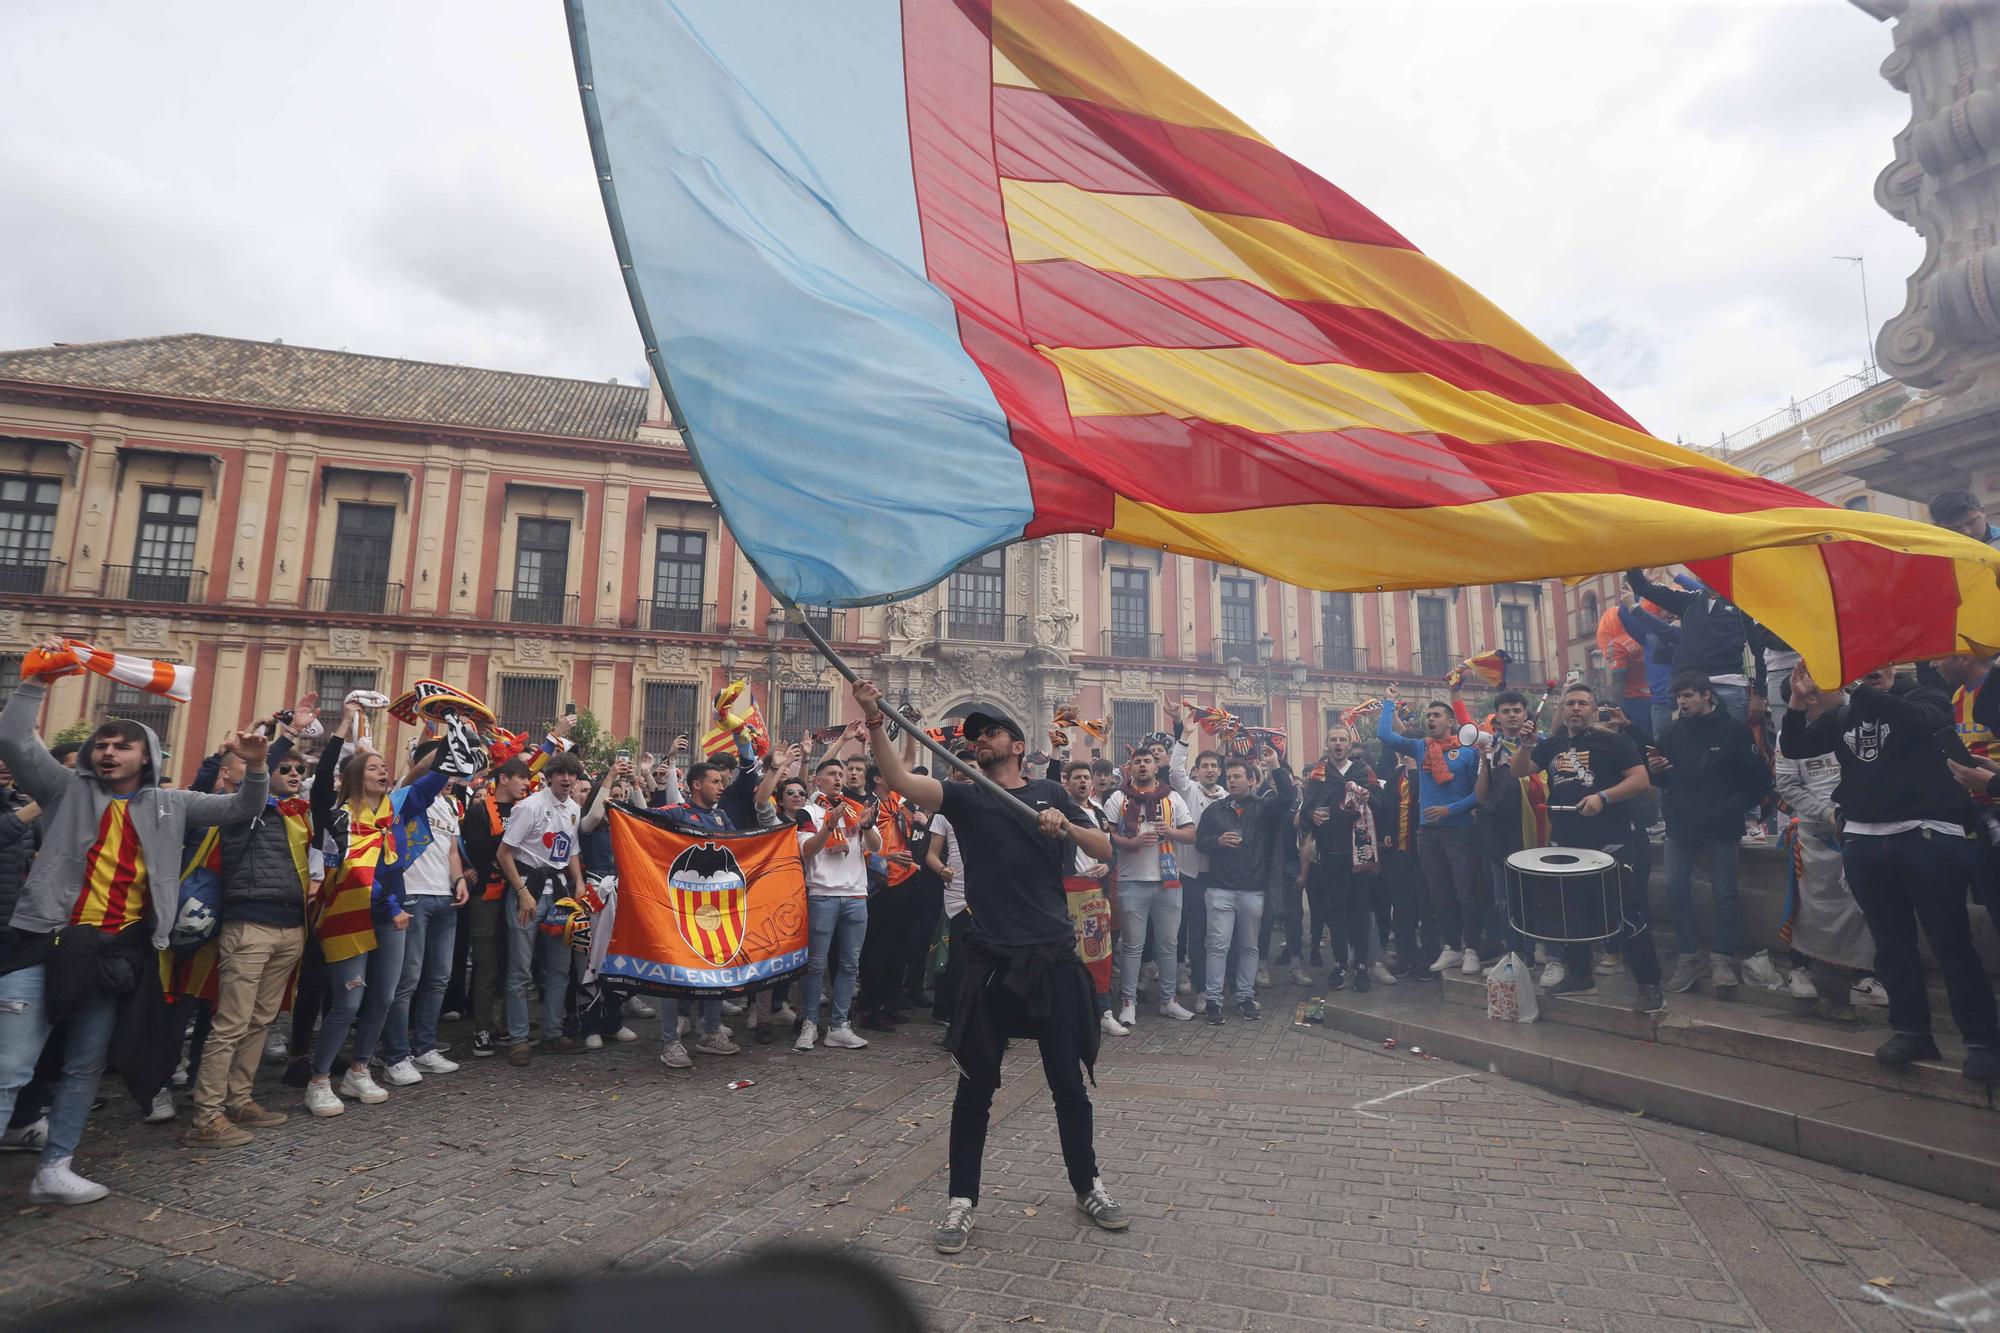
702	913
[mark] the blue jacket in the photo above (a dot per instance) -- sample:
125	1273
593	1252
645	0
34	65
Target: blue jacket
1457	796
1659	639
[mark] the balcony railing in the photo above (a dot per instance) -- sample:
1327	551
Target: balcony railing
1432	666
677	617
831	624
357	596
963	625
42	578
124	583
1224	650
1343	657
1140	647
522	608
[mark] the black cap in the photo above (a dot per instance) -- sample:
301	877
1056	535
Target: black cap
978	724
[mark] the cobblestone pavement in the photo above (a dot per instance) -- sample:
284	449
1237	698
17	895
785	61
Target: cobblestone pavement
1280	1177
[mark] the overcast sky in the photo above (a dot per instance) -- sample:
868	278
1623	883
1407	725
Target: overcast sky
1656	189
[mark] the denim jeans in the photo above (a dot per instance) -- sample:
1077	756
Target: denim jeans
427	954
1735	698
1918	879
1720	851
1663	714
346	984
24	1027
1225	908
1141	901
708	1018
846	918
385	974
531	952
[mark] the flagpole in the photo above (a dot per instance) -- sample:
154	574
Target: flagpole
908	722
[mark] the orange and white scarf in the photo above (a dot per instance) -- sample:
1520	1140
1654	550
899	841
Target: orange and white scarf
170	680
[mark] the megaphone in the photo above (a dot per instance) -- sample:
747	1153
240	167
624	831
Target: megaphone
1471	735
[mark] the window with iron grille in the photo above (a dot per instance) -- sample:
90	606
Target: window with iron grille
680	569
1514	631
800	711
669	712
529	704
541	560
152	710
10	674
362	535
979	597
1132	719
334	685
1336	629
168	521
1131	611
1239	614
28	520
1433	641
1250	715
1334	721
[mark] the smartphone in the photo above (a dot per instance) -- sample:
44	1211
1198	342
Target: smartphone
569	709
624	756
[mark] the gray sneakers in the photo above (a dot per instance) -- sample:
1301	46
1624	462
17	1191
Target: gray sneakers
1721	972
1102	1208
956	1228
1686	972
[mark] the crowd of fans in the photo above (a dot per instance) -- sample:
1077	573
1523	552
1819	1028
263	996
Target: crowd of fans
374	899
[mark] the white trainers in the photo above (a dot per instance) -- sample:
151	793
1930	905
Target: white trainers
1129	1014
181	1078
624	1034
402	1074
431	1062
1447	960
784	1013
676	1056
162	1109
357	1084
1183	986
717	1043
846	1038
638	1008
1263	975
1553	975
1470	964
808	1036
593	1042
321	1100
1868	991
31	1137
1172	1009
1301	977
1379	973
732	1008
1800	985
276	1049
1609	966
1721	972
56	1183
1108	1024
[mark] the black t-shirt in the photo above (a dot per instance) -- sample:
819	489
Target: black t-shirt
1580	766
1013	875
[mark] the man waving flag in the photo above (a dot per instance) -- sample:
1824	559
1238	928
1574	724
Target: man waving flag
993	245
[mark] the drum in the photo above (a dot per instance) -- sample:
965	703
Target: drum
1564	895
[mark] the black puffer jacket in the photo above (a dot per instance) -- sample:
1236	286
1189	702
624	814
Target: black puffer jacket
1716	774
18	841
260	880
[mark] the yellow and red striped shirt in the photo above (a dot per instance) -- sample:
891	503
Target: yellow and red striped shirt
114	874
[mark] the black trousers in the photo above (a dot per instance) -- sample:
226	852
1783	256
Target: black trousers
1915	881
944	1001
1062	1066
1340	898
1635	940
923	929
892	911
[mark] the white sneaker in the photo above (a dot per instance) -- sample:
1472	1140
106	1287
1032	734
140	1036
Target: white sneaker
56	1183
638	1008
593	1042
1184	987
180	1079
402	1074
1301	977
1263	975
1108	1024
276	1049
320	1099
1379	973
808	1036
732	1008
717	1043
1470	965
359	1085
1800	985
431	1062
1553	975
726	1030
1129	1015
682	1028
1868	991
784	1013
1149	973
1172	1009
1609	966
1447	960
676	1057
624	1034
31	1137
162	1109
846	1038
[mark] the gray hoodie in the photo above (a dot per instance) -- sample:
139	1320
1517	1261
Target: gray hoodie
73	805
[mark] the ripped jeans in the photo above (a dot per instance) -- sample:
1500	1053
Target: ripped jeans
346	984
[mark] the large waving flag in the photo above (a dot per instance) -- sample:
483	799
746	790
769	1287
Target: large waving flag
929	276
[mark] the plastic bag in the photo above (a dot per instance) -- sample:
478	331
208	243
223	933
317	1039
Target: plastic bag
1510	992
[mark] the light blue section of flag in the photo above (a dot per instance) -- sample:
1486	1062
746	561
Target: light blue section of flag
759	162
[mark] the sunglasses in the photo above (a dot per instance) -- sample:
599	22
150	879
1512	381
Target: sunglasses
291	768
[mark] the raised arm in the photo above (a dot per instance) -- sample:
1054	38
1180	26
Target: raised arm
1385	731
35	769
1676	600
927	792
247	801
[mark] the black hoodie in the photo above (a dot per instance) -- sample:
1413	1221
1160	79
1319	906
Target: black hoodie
1891	745
1264	821
1715	775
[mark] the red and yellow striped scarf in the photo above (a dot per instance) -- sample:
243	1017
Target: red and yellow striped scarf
345	924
